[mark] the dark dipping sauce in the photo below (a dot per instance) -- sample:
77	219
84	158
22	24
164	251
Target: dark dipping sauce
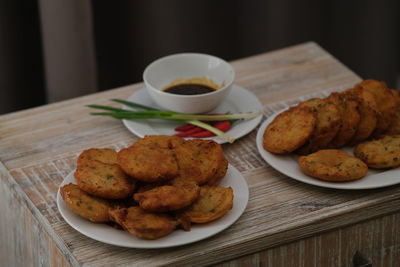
189	89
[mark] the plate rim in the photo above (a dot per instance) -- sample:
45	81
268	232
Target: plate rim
152	244
254	122
275	161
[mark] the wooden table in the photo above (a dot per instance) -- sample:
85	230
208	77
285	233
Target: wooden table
286	223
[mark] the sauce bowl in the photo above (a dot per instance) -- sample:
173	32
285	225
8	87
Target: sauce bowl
188	66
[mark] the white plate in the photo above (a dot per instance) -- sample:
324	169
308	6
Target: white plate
287	164
107	234
239	100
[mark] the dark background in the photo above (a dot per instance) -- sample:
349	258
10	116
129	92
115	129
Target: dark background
128	35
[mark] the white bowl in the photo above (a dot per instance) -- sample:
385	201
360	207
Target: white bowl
166	70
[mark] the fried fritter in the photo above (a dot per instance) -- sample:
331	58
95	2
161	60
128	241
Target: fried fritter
368	114
148	163
167	197
143	224
327	126
198	160
396	94
385	101
104	180
394	127
162	141
347	106
90	207
380	153
183	221
333	165
219	174
143	187
289	130
212	204
338	100
105	155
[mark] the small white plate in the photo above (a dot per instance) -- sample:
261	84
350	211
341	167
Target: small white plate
107	234
239	100
287	164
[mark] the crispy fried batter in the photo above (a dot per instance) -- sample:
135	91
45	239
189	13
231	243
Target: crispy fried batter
347	106
381	153
167	197
104	180
394	127
219	174
327	126
198	160
289	130
148	163
183	221
143	187
143	224
338	100
105	155
333	165
212	204
163	141
385	101
90	207
369	114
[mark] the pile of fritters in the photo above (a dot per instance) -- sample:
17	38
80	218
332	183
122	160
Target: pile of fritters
368	111
152	187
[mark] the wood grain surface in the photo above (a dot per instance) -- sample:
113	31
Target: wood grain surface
284	218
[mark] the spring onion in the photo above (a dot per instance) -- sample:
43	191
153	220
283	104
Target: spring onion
151	113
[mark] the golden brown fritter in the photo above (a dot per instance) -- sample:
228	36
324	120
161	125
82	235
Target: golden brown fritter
380	153
368	114
219	174
327	126
212	204
333	165
289	130
90	207
143	224
385	101
394	127
105	155
148	163
198	160
167	197
159	141
338	100
183	221
104	180
347	106
143	187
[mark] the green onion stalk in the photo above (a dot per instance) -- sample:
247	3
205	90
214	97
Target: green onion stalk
152	113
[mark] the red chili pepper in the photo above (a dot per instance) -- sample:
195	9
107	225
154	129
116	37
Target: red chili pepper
221	125
185	128
205	133
188	133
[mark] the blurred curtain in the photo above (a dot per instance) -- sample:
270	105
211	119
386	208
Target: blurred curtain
56	49
21	73
68	48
